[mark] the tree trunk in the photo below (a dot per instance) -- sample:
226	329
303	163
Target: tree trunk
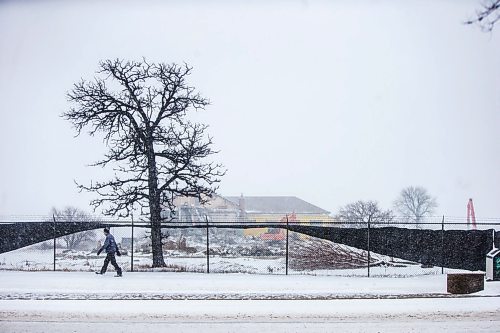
155	210
156	241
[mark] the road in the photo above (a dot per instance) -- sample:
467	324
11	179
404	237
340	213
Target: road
360	325
480	314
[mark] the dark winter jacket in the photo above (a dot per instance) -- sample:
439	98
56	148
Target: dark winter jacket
109	245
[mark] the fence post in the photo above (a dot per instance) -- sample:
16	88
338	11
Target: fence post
286	250
132	246
442	245
54	230
208	247
368	244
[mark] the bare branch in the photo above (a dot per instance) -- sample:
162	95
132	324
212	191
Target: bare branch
487	16
415	203
357	214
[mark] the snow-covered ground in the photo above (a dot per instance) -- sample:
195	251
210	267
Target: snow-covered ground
189	302
395	315
34	259
254	295
163	285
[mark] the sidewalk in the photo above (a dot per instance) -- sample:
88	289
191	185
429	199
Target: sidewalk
194	286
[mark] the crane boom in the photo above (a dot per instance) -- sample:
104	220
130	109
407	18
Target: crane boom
471	215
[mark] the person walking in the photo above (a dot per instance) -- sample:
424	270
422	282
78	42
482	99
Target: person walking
110	248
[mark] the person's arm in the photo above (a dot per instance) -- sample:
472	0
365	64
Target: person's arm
105	245
117	250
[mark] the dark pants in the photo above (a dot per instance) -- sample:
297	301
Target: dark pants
111	257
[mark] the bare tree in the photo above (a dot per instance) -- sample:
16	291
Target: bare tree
156	152
487	16
414	203
73	214
357	214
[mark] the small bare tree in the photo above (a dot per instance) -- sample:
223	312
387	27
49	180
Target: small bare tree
156	152
414	203
73	214
487	16
357	214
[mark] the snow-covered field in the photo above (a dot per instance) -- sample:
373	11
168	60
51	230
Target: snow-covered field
34	259
188	302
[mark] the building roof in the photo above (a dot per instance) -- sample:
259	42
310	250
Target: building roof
277	205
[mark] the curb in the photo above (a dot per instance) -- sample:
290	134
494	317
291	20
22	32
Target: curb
231	296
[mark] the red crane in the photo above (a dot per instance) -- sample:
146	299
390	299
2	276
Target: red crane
471	215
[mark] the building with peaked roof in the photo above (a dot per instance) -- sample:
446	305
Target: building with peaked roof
276	205
262	209
258	209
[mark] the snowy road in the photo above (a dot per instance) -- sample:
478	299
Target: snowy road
186	302
388	315
359	325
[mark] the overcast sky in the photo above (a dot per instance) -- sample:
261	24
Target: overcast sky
329	101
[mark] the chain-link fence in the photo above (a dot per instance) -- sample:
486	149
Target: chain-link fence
271	246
